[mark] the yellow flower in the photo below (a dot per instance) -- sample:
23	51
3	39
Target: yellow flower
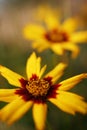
57	36
36	91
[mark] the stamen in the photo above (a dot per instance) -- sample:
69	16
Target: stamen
38	87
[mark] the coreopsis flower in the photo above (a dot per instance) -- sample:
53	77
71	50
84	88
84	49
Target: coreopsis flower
36	90
55	35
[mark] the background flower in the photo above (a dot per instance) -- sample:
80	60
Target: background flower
57	36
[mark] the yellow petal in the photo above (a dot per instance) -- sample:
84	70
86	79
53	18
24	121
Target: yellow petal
74	101
71	82
71	95
8	95
57	72
19	112
71	47
50	16
70	25
40	45
62	106
79	37
41	11
57	48
39	115
12	77
70	103
10	108
33	65
8	98
38	66
51	21
7	92
33	32
42	71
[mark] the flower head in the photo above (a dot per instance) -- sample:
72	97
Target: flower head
36	90
57	36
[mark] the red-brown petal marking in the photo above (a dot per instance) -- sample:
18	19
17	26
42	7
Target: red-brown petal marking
56	36
23	83
37	89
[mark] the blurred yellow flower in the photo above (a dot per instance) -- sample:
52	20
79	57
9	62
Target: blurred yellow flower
35	91
57	36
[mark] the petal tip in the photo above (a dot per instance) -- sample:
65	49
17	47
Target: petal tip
33	54
1	66
84	75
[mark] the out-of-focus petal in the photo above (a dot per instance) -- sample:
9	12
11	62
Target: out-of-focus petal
40	45
79	37
12	77
51	21
49	15
57	48
71	47
39	115
33	32
70	25
57	72
71	82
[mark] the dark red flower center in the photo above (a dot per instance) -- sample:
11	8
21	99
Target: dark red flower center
37	89
56	36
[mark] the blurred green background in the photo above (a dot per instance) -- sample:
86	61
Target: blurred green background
14	51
